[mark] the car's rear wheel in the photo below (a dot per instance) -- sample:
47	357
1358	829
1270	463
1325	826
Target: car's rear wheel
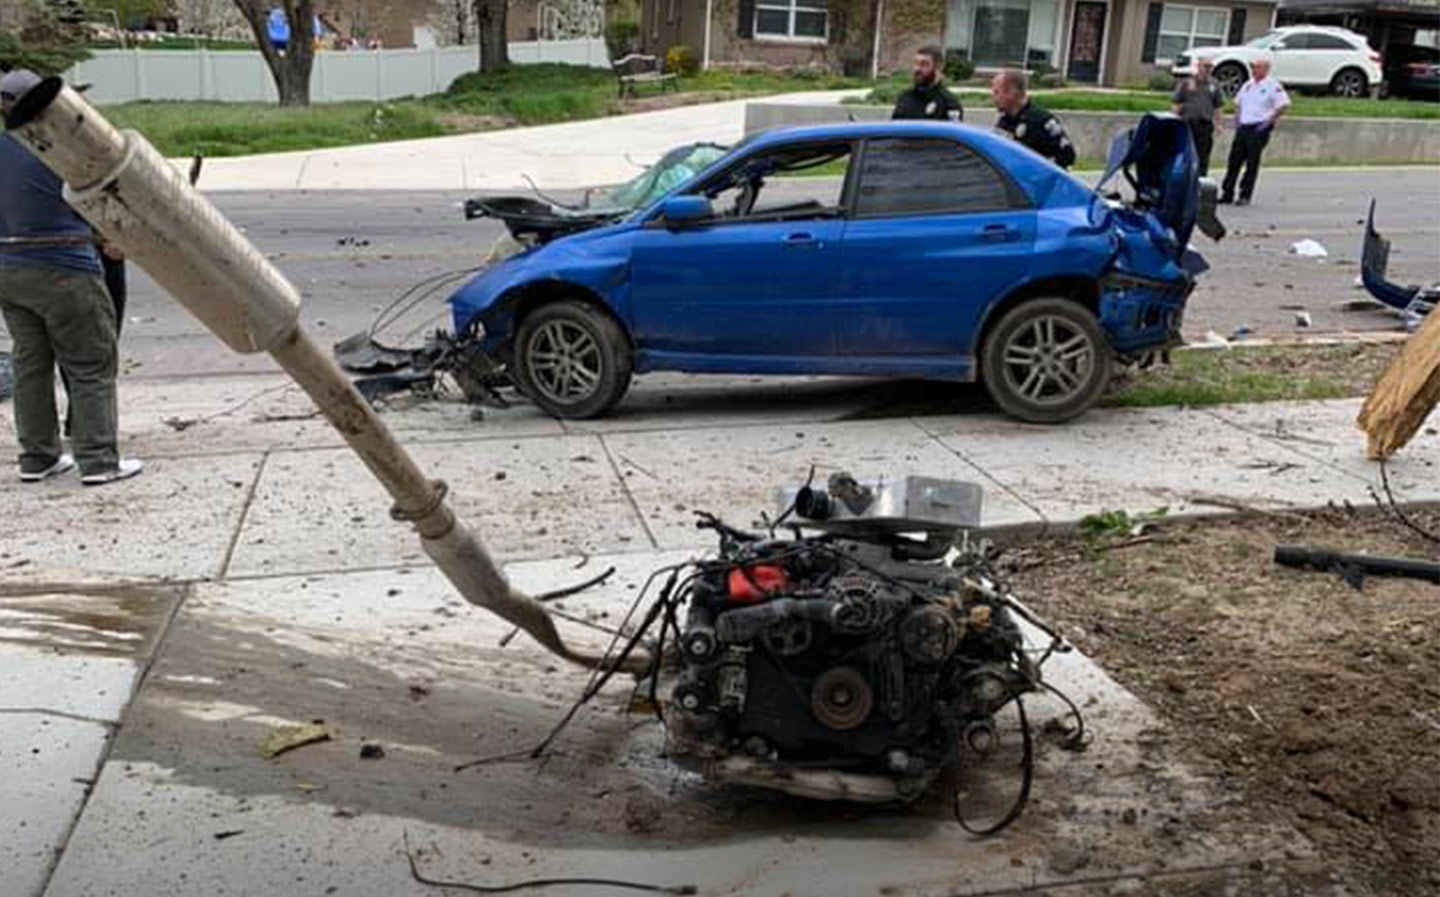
1350	83
1230	76
572	359
1046	361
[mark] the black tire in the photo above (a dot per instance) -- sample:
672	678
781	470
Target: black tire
572	360
1230	76
1046	361
1350	83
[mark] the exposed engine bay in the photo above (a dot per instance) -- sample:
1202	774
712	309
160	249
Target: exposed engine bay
854	662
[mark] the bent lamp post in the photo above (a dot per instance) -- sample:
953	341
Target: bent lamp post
141	204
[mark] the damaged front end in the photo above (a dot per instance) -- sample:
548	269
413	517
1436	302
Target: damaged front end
477	363
1413	302
1153	269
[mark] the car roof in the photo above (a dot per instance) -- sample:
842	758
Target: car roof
980	137
1329	29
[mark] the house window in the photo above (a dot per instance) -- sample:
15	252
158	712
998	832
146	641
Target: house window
804	20
1183	27
1004	33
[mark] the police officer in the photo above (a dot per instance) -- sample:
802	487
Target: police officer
1028	123
928	98
1199	101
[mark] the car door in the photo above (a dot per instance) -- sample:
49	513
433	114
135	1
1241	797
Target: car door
1328	54
937	232
754	283
1292	63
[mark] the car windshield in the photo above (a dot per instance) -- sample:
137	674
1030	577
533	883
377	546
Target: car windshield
674	168
1263	40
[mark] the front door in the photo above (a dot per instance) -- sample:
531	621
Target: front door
1087	39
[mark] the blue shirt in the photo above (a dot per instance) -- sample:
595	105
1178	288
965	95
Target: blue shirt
32	204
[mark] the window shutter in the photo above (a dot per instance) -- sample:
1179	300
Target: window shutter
1152	32
746	25
1237	27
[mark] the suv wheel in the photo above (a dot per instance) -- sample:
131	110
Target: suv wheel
572	360
1350	83
1046	361
1230	76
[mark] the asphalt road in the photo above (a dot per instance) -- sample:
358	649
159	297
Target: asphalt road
351	253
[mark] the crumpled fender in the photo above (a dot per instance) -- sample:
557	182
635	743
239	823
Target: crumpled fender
597	262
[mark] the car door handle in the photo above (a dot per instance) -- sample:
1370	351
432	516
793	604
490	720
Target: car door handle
802	240
998	233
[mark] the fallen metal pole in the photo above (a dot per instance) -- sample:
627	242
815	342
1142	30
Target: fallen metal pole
142	205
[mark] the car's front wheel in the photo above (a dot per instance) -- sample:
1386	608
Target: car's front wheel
1350	83
1230	76
1046	361
572	359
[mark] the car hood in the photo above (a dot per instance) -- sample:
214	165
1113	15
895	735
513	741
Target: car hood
1157	158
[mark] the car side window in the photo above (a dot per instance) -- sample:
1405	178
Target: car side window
1328	42
799	182
919	176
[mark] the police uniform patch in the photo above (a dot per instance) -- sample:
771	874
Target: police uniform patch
1052	127
1020	130
930	108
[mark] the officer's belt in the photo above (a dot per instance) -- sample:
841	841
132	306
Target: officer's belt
24	244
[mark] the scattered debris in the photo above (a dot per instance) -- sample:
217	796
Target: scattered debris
1240	332
372	752
643	813
1353	568
1302	319
1308	248
422	878
356	242
291	737
221	836
556	595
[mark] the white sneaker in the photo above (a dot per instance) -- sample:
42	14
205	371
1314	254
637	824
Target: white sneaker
127	468
62	464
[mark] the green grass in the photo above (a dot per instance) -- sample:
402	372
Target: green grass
1217	377
538	94
173	43
1138	102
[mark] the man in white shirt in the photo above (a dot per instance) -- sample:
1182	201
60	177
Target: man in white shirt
1258	106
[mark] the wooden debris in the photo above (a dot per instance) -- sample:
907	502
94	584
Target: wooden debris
291	737
1407	392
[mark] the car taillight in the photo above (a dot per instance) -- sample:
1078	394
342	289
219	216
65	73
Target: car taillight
1376	57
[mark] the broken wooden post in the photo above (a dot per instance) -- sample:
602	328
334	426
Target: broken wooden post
143	206
1407	392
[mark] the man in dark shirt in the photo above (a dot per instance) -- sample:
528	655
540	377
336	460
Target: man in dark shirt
1199	101
1028	123
928	97
58	312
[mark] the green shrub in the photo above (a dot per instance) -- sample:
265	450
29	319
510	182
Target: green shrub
1161	83
622	37
681	60
958	66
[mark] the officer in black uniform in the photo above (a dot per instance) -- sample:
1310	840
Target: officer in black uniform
928	98
1028	123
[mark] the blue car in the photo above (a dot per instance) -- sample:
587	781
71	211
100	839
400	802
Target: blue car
902	249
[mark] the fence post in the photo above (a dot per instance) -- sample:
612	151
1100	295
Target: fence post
139	75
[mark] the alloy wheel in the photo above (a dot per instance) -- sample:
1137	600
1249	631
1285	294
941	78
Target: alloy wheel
1048	361
1350	84
565	361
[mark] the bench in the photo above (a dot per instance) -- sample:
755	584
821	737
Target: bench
636	69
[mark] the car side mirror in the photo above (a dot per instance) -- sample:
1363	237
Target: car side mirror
680	211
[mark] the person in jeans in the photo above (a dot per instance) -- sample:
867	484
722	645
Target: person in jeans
1199	101
1258	106
58	311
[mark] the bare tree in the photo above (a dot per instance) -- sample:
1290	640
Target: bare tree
210	18
289	67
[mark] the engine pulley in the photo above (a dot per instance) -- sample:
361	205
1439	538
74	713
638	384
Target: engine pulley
841	698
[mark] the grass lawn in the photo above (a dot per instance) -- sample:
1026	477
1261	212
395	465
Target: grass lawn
175	42
1256	374
1146	101
523	95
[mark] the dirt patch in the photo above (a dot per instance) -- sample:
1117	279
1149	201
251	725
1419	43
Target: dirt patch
468	123
1321	702
676	99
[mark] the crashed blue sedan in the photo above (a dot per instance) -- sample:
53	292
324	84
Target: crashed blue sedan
902	249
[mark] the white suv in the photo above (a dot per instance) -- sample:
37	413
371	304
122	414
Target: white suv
1303	56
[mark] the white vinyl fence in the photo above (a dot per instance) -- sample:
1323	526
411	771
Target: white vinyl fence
119	76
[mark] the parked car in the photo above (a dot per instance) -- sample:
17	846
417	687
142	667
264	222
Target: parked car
1303	56
932	250
1412	70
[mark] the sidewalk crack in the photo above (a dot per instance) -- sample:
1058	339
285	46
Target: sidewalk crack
629	496
244	516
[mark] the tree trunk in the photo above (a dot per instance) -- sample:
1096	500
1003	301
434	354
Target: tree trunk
1407	392
290	68
490	23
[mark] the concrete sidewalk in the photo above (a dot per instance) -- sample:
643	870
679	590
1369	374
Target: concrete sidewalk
556	157
152	632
